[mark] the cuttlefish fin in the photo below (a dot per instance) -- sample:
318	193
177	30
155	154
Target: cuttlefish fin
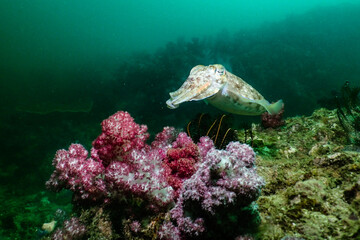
190	91
273	108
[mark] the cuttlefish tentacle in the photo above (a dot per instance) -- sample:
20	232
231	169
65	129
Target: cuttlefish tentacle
223	90
186	93
198	86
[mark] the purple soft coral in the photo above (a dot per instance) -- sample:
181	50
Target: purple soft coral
223	177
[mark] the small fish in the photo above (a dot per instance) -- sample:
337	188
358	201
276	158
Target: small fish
223	90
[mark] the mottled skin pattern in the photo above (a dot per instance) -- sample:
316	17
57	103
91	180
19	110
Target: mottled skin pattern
223	90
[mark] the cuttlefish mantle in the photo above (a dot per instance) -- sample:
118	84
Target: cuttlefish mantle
223	90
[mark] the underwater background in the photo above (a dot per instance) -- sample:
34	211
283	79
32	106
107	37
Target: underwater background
67	65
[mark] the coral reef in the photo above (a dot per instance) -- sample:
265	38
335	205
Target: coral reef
134	190
121	164
311	176
311	192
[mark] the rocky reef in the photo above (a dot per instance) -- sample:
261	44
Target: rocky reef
312	179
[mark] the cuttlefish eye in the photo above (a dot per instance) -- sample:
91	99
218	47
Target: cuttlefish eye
220	71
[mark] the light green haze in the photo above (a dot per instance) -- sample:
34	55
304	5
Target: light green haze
55	37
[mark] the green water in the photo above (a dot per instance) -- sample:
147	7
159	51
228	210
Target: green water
66	65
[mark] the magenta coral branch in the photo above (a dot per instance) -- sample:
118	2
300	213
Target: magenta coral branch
75	172
120	134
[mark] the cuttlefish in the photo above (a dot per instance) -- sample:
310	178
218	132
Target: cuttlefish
223	90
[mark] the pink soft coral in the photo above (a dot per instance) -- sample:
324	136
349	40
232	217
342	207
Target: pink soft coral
121	164
181	159
74	171
120	134
142	175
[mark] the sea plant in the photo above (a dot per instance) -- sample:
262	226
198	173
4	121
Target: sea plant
348	112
